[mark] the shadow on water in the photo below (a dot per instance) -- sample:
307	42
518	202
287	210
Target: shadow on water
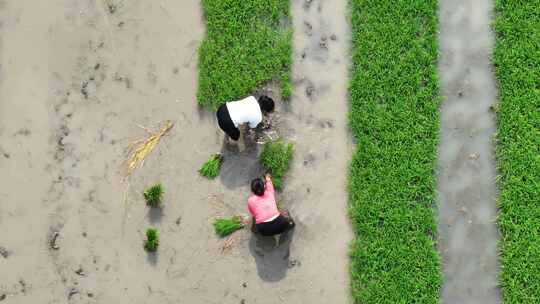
152	258
240	167
155	214
271	255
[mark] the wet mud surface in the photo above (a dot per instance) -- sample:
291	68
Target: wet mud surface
77	79
466	182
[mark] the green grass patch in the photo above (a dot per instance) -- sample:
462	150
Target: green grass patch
224	227
248	44
210	168
517	62
152	239
154	195
394	118
276	158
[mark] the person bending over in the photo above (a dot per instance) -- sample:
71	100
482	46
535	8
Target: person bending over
262	205
248	110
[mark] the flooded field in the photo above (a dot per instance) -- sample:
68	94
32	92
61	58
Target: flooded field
79	82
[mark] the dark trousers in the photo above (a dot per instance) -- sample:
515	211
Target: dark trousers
279	225
226	124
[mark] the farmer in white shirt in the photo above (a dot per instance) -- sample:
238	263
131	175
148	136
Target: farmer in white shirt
248	110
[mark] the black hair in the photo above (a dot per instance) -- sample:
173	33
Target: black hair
266	103
257	186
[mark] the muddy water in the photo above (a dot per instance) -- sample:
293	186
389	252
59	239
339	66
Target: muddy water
76	80
466	183
318	116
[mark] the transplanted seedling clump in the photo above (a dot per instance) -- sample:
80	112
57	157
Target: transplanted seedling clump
225	227
154	195
211	168
276	158
152	239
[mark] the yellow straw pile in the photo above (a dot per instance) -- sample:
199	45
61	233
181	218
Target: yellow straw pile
143	147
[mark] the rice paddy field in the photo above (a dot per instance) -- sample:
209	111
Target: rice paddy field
107	115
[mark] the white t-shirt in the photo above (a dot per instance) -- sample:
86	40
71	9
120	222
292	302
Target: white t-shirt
245	110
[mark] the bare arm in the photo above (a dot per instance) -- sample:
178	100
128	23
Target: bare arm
269	184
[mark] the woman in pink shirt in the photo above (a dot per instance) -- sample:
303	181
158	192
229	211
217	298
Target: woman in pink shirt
262	206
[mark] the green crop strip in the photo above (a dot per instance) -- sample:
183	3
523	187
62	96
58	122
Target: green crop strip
394	118
248	44
517	62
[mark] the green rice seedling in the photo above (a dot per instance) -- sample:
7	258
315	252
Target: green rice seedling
152	239
276	158
227	226
286	87
154	195
211	168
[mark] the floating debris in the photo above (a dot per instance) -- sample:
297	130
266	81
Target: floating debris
474	156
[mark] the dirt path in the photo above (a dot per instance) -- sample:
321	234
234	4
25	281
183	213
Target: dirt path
76	79
467	191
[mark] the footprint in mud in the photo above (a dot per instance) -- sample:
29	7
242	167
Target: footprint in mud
4	252
323	44
84	89
310	91
308	28
4	153
309	159
126	80
112	8
23	132
326	123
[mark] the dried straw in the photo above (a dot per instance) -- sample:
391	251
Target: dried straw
142	147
